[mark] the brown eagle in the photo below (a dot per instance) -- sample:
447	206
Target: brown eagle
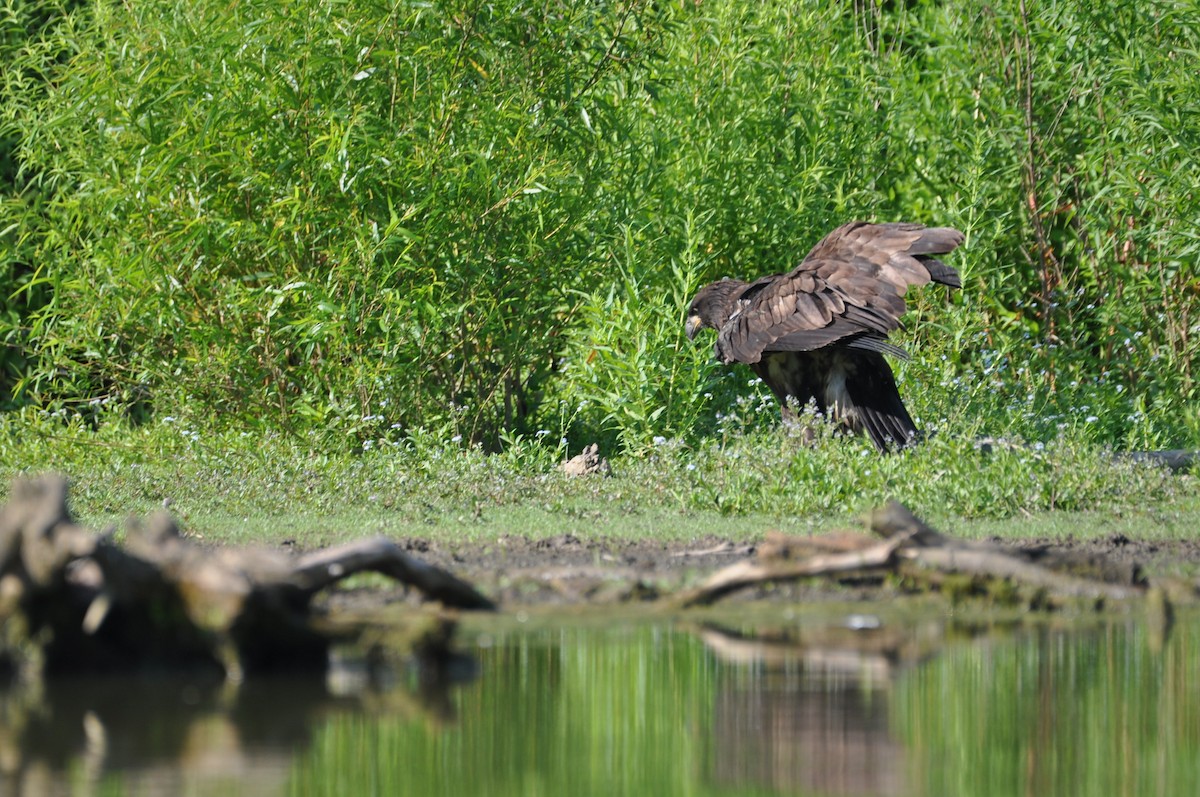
818	333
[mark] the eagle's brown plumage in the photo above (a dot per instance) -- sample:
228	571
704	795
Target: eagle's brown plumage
819	332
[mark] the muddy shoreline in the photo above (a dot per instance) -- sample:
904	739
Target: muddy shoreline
71	597
565	570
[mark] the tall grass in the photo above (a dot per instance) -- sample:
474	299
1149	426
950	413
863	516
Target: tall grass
379	217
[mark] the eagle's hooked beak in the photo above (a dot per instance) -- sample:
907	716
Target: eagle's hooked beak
693	326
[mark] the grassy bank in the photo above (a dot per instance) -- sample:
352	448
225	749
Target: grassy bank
241	486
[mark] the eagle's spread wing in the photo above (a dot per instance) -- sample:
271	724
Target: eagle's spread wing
849	289
818	333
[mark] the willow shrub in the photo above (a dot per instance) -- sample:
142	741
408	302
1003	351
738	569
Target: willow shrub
1062	137
485	219
762	129
31	44
375	213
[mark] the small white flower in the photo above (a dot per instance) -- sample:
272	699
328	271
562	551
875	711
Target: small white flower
659	440
1091	419
456	439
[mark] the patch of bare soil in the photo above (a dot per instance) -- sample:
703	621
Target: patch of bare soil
565	569
518	571
1153	556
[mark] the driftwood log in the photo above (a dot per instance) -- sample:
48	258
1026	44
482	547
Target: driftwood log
1058	575
71	599
913	550
747	574
1176	460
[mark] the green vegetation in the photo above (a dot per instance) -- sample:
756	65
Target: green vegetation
637	705
1045	712
374	217
239	486
371	235
1054	714
648	708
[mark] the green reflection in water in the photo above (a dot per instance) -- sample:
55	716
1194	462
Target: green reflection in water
1106	713
569	712
652	711
656	709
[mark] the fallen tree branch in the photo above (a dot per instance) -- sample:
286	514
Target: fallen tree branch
88	603
932	549
318	570
992	564
1174	460
747	574
911	543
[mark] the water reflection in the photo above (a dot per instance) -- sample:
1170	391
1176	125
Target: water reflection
791	733
849	704
808	713
160	734
164	735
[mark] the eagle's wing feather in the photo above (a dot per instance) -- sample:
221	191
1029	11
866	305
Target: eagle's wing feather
850	285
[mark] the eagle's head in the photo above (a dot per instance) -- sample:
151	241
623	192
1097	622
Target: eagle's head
713	305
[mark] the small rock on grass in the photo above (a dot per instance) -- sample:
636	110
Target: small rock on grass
587	463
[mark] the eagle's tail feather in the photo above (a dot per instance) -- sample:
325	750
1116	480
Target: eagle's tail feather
888	430
876	398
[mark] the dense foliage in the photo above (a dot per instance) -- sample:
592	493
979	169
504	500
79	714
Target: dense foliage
239	485
484	219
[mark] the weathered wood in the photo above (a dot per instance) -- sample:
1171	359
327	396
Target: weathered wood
932	549
911	543
749	573
318	570
993	564
1175	460
778	545
163	600
37	535
894	519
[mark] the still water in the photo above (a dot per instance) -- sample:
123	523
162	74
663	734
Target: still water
847	703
